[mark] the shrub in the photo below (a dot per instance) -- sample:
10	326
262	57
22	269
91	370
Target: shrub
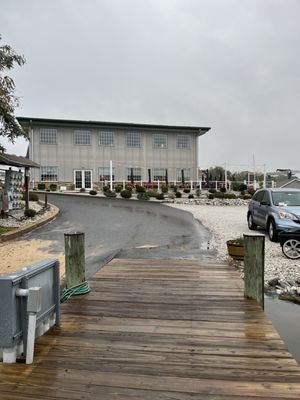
229	196
110	193
128	187
71	186
160	196
164	188
251	191
93	192
175	188
140	189
41	186
82	190
105	188
151	193
235	186
118	188
33	196
198	192
186	190
246	196
219	195
29	213
212	190
178	194
53	187
223	189
143	196
242	187
126	194
191	196
211	196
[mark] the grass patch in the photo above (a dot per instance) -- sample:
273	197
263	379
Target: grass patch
5	229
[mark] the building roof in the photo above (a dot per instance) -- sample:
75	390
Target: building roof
27	121
17	161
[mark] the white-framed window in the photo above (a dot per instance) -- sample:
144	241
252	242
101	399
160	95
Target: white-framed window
49	174
186	174
106	138
104	174
160	141
135	173
133	139
159	174
82	137
183	142
48	135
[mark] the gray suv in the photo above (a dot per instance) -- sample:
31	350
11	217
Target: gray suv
275	210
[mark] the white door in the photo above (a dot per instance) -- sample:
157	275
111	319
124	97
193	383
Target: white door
83	179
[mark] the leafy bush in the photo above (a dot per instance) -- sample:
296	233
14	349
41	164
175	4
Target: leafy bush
53	187
178	194
246	196
212	190
251	191
191	196
126	194
110	193
160	196
186	190
235	186
238	241
29	213
223	189
105	188
211	196
118	188
174	188
242	187
93	192
229	196
129	187
33	196
198	192
41	186
164	188
82	190
140	189
219	195
143	196
151	193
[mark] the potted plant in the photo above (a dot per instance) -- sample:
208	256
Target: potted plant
236	248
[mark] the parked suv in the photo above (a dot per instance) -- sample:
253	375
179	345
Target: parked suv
275	210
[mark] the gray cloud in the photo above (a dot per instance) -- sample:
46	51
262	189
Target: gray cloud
232	65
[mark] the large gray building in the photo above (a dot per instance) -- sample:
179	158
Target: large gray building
82	152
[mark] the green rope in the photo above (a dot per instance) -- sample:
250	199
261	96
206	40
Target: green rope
77	290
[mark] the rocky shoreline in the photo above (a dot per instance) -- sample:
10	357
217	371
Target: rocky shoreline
226	219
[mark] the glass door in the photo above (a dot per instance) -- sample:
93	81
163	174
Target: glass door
83	179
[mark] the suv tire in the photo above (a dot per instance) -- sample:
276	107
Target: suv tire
251	225
272	231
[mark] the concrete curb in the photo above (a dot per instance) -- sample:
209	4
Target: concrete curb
19	232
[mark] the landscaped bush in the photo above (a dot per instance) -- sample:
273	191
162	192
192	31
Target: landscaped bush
242	187
126	194
223	189
198	192
110	193
160	196
129	187
235	186
212	190
186	190
33	196
143	196
140	189
118	188
229	196
93	192
219	195
41	186
82	190
211	196
151	193
178	194
246	196
251	191
175	188
105	188
53	187
29	213
190	196
164	188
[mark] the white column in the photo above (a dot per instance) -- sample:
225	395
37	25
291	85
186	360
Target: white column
110	174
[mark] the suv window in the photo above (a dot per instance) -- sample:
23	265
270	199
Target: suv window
266	197
258	196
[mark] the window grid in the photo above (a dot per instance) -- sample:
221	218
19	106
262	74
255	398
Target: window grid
137	174
104	174
133	139
160	141
49	174
186	173
183	142
106	138
48	136
159	174
82	137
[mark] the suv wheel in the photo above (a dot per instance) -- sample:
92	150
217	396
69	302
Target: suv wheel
251	224
272	231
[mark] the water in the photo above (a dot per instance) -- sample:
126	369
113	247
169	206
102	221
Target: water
285	318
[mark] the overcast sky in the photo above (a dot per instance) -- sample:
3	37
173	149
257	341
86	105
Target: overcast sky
232	65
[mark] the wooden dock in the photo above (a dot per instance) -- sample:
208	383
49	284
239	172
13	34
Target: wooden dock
159	330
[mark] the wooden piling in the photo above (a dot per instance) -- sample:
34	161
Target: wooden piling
74	258
254	264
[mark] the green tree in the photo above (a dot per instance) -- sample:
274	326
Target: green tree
9	126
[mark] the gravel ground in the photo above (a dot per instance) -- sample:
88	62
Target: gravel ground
19	221
228	222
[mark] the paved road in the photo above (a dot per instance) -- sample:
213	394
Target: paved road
134	229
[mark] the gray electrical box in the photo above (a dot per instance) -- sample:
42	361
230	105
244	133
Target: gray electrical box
13	308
